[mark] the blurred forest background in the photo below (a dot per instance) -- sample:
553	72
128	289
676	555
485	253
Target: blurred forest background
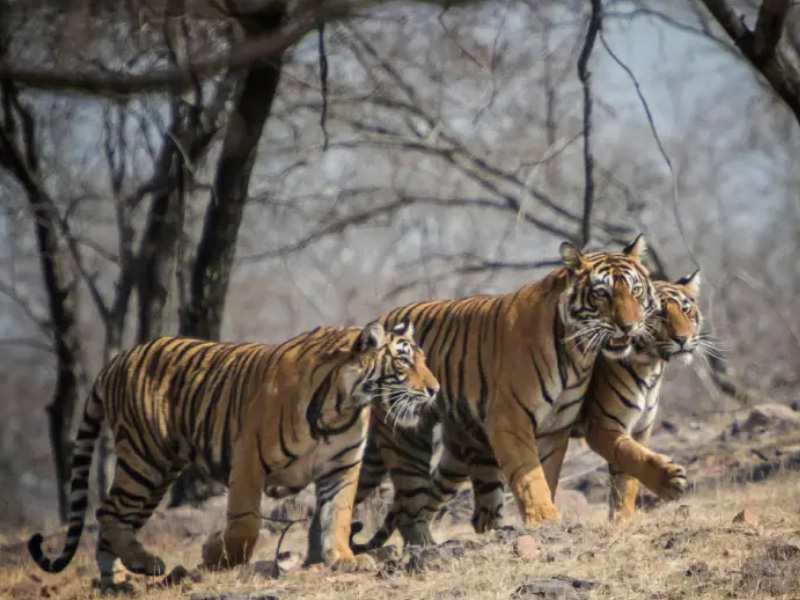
232	170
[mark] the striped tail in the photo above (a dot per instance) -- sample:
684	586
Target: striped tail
79	489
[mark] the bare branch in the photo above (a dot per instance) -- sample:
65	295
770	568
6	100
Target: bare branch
769	27
595	24
777	67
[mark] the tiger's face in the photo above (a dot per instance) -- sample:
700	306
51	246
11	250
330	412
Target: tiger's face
609	299
393	373
676	327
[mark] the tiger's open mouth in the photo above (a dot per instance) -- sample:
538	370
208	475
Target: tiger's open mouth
618	347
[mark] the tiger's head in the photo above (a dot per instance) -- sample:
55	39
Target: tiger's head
388	369
609	298
676	326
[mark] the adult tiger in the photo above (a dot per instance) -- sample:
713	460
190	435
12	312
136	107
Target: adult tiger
252	415
621	406
622	401
514	369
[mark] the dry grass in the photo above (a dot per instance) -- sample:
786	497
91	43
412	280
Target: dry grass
670	552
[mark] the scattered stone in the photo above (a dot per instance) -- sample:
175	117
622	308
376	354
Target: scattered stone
669	426
675	540
784	550
560	587
507	533
770	417
526	547
746	516
432	557
549	589
768	577
698	567
582	585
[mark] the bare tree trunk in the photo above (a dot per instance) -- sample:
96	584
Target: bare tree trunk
19	157
202	317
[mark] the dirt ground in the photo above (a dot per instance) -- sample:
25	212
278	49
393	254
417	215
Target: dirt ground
694	548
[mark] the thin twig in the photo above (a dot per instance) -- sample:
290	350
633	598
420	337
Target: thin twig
323	75
661	149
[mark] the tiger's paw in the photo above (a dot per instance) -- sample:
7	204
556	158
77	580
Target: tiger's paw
672	479
144	563
359	562
212	552
542	511
486	520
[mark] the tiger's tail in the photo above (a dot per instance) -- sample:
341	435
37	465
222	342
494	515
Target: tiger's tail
88	433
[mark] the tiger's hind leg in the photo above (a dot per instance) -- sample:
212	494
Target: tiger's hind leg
133	497
489	490
410	470
450	473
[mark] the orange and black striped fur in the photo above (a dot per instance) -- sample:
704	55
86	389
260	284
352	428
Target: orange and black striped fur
252	415
622	401
621	406
514	369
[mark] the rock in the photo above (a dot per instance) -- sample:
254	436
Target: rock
698	567
767	577
507	533
526	547
746	516
570	501
771	417
582	585
784	550
550	589
431	558
675	540
561	587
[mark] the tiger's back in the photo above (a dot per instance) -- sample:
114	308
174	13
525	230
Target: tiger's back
184	398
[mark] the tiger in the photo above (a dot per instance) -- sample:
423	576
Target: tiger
622	402
514	369
251	416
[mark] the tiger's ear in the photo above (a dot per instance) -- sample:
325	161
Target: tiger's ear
404	328
691	283
636	249
571	256
371	337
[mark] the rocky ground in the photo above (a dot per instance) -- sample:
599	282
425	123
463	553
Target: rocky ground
735	535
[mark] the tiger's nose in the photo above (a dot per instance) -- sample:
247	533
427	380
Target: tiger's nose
433	390
625	328
681	340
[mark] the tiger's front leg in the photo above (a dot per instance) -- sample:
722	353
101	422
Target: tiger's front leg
329	535
628	459
234	545
514	443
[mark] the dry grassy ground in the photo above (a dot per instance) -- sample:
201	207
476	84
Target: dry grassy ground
692	549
